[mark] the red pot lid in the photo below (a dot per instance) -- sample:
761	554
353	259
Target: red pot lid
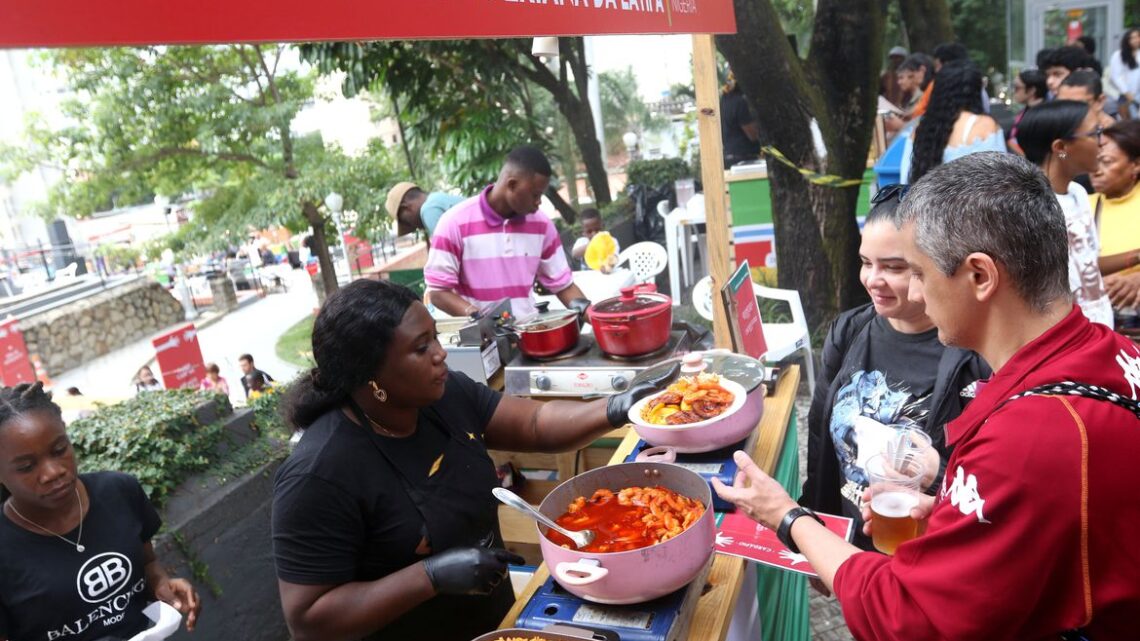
631	303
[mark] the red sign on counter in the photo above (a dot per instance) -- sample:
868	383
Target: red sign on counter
180	357
744	322
738	535
15	368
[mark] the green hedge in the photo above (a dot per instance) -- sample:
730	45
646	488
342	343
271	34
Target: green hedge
155	436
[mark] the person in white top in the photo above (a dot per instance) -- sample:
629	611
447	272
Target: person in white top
1062	137
1124	71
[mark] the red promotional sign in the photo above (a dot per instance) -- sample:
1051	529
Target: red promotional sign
15	368
738	535
180	358
745	326
56	23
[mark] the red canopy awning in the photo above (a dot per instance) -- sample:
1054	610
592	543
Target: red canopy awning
72	23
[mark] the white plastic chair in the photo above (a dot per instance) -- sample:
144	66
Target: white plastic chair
783	339
646	259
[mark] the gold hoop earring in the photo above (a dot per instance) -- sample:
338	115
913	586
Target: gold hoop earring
378	392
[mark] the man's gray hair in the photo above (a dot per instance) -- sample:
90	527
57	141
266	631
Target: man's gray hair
1000	205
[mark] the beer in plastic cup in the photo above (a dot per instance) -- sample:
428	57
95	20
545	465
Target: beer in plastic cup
895	491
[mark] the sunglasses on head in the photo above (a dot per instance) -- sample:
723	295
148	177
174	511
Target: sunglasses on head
889	192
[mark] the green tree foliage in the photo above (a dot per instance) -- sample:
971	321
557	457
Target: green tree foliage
980	25
211	121
623	109
468	102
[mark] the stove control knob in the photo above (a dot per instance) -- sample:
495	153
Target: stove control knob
542	383
619	383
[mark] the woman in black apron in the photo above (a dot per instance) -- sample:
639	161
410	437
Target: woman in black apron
384	525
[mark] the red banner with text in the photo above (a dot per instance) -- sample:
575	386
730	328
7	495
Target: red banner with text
70	23
180	357
15	367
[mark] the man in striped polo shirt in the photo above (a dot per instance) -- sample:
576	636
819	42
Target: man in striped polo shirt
494	245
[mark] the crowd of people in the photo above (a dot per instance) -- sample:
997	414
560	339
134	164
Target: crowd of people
253	380
994	278
1073	112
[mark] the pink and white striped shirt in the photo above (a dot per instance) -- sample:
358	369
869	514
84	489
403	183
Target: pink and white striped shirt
484	258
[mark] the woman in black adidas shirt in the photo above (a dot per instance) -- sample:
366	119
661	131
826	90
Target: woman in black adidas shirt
76	561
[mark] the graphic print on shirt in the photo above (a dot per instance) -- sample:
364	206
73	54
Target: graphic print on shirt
868	394
103	581
964	494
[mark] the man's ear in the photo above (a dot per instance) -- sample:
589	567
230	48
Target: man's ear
984	274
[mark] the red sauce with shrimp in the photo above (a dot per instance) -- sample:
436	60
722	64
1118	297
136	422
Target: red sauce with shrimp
635	517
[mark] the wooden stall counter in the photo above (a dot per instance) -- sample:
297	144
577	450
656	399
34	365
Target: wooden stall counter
715	608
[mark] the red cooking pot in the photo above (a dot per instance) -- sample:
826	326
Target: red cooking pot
549	333
635	323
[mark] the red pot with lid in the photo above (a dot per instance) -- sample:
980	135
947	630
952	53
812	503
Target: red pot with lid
548	334
635	323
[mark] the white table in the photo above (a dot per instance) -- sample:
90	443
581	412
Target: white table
677	242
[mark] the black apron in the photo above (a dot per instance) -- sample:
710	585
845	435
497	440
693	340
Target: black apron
455	501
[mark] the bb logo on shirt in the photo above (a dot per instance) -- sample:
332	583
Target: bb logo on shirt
102	576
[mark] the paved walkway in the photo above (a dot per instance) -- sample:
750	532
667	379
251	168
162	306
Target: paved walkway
253	328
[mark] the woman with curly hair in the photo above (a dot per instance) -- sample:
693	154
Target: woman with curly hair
954	125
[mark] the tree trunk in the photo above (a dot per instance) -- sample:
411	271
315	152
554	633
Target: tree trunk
321	247
574	104
927	24
817	238
569	214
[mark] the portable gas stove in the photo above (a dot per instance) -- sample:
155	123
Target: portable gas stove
663	619
715	464
587	371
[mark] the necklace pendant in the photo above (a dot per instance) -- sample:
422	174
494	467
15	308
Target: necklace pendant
80	548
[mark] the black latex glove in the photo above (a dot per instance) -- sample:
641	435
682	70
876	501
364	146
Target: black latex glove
580	305
617	406
469	570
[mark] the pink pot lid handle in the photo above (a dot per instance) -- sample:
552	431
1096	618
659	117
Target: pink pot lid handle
580	572
659	454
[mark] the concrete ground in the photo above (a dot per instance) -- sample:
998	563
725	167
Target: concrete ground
253	328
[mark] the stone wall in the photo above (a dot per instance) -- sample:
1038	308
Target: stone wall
68	336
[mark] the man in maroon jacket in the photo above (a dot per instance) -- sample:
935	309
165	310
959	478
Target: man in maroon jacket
1033	534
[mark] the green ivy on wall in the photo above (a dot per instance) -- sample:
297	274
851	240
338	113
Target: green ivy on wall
155	436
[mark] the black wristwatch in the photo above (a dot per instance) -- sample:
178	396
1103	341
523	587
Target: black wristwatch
784	531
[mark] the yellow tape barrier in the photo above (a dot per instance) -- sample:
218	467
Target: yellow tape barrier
814	178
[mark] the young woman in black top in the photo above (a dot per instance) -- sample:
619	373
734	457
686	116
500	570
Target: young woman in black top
384	526
76	560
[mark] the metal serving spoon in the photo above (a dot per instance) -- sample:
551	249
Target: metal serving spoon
581	538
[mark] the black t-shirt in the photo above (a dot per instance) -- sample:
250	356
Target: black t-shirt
50	591
895	384
734	114
342	514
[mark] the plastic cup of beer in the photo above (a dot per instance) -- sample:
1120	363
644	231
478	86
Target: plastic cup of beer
895	490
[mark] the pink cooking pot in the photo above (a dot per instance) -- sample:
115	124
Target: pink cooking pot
633	576
731	426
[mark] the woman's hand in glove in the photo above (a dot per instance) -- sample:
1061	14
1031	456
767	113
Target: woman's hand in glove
617	406
469	570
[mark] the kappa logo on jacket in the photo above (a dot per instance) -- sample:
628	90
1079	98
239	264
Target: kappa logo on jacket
964	494
1130	365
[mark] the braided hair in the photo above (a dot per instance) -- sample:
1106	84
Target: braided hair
351	337
957	88
21	399
24	398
